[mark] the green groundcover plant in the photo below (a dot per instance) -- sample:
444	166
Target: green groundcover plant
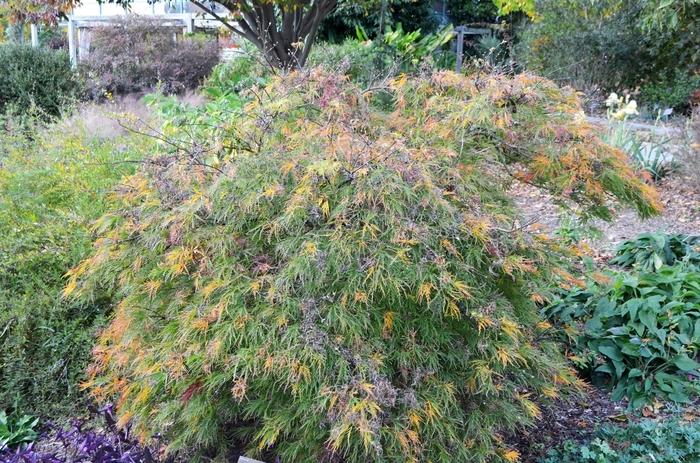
640	330
647	441
326	279
649	252
52	186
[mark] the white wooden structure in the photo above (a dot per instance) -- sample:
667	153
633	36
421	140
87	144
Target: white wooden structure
89	8
79	30
91	13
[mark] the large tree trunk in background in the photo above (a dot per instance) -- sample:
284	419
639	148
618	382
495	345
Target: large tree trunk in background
283	31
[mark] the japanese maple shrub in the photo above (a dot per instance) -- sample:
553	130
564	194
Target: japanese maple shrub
332	281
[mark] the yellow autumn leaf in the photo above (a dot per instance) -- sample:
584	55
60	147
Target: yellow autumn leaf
310	248
510	327
424	291
452	309
388	322
511	456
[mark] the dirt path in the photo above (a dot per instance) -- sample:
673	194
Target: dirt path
679	196
679	193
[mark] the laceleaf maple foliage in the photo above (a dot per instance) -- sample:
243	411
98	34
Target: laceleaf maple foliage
348	281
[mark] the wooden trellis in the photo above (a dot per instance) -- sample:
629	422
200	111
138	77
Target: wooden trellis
78	29
461	31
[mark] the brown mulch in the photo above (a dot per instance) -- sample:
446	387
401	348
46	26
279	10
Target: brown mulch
573	419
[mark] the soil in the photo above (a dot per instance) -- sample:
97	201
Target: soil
574	419
679	194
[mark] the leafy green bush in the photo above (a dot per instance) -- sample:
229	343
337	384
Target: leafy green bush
646	441
670	90
409	49
649	252
362	61
608	45
592	45
35	79
16	430
479	11
642	331
348	281
370	62
236	76
51	188
413	14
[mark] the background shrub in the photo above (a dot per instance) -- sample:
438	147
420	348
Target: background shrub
592	45
326	279
238	75
606	45
375	62
137	54
672	89
363	62
413	14
51	188
35	80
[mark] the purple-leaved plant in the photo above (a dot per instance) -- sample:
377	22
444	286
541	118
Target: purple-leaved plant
79	445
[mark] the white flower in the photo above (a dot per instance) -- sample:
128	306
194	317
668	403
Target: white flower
630	108
613	100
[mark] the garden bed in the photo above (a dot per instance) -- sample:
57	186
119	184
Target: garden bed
574	419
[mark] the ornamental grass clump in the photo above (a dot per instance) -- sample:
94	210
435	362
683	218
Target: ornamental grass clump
329	279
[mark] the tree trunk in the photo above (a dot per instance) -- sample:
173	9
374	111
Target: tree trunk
283	31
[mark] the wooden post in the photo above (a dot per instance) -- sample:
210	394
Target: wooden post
35	35
190	23
460	30
84	37
72	47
